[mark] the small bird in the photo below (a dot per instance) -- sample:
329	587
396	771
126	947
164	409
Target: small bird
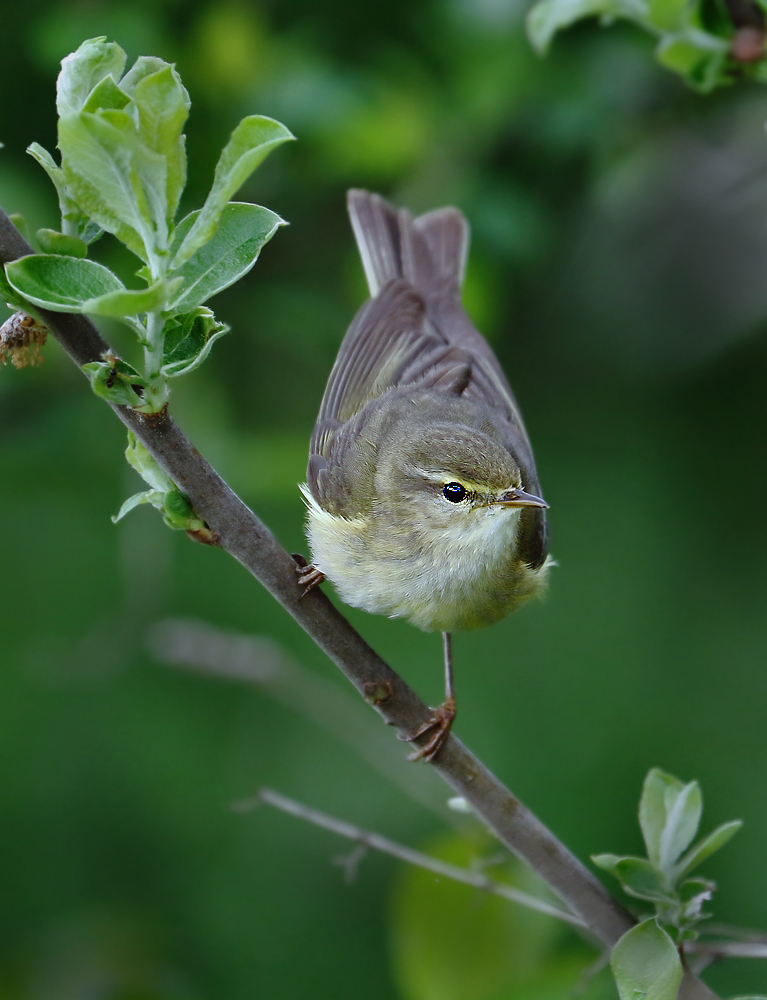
423	499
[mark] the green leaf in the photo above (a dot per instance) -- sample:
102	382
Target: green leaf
189	342
116	382
697	56
250	143
146	465
70	213
128	302
115	180
229	254
683	818
693	894
179	513
646	964
63	284
81	71
8	293
155	497
163	105
660	795
53	242
106	96
706	847
641	879
608	862
548	17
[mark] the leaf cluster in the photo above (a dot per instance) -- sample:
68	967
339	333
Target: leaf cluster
696	39
123	171
647	957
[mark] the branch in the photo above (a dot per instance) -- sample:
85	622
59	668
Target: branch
241	533
368	838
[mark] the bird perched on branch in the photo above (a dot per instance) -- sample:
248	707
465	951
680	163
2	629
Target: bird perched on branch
422	493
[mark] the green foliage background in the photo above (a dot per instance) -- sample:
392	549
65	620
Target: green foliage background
618	267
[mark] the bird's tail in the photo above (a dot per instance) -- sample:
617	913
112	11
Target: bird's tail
429	251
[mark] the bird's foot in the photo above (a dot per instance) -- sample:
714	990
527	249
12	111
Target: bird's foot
309	576
440	723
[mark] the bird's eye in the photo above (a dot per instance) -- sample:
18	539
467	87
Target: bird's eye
454	492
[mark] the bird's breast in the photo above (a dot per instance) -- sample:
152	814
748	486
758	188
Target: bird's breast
462	576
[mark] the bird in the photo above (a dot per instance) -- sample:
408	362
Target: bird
422	496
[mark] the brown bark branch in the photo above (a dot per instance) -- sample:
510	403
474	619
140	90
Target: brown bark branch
241	533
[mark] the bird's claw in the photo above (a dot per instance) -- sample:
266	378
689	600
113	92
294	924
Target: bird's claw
441	722
309	576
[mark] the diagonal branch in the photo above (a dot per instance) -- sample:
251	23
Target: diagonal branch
246	538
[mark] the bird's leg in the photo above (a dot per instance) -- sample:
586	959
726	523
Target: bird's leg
309	576
442	718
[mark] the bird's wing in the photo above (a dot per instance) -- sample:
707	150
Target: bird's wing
387	346
429	253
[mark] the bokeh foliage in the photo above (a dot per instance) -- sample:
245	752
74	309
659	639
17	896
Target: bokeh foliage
617	266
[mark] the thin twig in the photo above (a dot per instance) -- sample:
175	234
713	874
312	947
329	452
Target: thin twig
377	842
241	534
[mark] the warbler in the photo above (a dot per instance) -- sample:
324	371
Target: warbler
422	494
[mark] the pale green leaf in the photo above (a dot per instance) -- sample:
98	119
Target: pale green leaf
706	847
101	179
84	69
115	179
250	143
106	96
128	302
116	382
607	862
549	16
230	253
646	964
146	465
70	212
62	284
641	879
54	242
653	811
155	497
143	66
684	809
174	369
162	104
8	294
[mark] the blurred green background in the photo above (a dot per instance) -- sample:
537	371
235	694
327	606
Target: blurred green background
619	267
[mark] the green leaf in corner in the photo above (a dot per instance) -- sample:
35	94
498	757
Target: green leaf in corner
250	143
230	253
646	964
84	69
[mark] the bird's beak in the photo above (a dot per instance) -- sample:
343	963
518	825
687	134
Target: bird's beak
518	498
